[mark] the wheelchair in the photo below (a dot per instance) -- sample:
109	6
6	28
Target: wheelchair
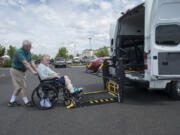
48	91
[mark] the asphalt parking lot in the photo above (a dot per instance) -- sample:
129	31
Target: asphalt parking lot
142	113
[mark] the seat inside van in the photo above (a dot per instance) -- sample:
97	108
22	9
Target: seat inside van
130	37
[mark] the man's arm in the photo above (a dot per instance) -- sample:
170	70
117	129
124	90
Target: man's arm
52	77
28	66
34	65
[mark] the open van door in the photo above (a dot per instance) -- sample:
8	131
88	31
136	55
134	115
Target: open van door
164	35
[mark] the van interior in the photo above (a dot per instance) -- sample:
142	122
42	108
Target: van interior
130	38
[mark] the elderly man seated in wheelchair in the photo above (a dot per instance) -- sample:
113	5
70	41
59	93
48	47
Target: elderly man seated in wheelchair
46	73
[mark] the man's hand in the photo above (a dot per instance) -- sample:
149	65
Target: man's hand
33	65
28	66
34	72
58	75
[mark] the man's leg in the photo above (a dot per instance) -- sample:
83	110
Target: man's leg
12	102
14	95
24	95
68	84
17	89
19	82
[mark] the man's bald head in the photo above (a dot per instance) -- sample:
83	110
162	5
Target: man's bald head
26	45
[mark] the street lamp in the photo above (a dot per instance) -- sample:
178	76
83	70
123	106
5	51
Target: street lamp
90	42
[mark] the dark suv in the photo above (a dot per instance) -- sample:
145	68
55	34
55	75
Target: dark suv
60	62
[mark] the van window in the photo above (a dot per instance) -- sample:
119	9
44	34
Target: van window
168	35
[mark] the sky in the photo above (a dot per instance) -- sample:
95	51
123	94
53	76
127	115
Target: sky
51	24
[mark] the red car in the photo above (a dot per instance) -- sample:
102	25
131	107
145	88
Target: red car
94	65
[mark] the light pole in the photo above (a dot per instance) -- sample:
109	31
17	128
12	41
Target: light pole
90	42
74	49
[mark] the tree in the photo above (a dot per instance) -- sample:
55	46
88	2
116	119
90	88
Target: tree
71	56
85	57
36	56
77	54
102	52
63	52
2	50
11	51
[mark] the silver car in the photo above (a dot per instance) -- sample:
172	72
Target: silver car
60	62
69	61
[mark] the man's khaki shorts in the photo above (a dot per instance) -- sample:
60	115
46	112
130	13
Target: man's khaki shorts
18	79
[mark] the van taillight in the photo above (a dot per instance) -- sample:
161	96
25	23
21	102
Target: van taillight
127	11
145	66
145	61
145	55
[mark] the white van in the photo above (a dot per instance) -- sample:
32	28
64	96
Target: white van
149	34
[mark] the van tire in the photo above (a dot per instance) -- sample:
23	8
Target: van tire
175	90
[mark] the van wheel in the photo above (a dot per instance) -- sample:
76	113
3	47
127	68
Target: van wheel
175	90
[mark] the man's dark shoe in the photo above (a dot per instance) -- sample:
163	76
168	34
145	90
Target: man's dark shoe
13	104
29	104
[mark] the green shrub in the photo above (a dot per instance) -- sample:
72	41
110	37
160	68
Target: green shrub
7	63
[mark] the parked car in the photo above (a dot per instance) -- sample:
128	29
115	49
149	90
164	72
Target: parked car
94	64
90	59
37	62
69	61
51	61
76	60
83	60
1	62
60	62
6	57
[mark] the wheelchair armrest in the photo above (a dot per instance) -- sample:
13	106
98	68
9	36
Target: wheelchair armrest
49	80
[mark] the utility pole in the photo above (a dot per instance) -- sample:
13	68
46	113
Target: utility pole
90	43
74	49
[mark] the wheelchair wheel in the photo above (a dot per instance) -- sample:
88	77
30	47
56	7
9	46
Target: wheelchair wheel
44	96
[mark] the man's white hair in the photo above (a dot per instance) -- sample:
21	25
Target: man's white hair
26	42
45	56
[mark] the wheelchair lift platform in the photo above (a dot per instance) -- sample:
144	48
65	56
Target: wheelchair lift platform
98	97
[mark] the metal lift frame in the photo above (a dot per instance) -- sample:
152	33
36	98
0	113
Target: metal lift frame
113	88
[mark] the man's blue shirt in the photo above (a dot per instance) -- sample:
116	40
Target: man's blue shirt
19	56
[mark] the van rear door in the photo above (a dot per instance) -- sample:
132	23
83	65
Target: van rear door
165	39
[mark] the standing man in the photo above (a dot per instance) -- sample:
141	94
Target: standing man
22	60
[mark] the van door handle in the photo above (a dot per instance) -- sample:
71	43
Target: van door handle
155	57
165	63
